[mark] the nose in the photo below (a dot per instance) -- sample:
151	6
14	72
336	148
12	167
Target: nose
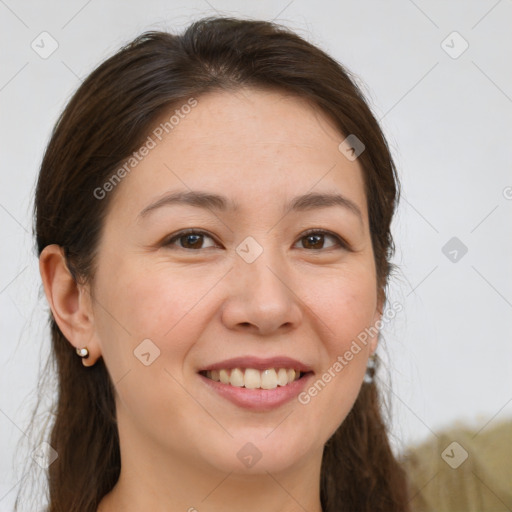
261	298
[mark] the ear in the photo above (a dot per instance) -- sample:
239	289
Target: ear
70	302
376	322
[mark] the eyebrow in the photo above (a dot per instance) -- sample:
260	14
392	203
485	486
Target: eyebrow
206	200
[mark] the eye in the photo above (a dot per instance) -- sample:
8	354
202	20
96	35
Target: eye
315	238
190	238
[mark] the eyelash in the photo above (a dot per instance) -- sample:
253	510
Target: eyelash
342	244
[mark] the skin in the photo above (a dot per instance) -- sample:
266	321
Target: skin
304	299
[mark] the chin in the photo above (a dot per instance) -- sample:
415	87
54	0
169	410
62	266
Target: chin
251	454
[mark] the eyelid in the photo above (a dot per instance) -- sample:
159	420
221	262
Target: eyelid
342	243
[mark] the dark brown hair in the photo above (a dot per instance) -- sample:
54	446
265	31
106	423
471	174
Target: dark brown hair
106	120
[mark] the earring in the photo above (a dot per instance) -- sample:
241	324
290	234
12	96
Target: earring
370	369
83	352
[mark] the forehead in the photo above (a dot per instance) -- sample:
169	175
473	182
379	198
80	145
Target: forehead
258	147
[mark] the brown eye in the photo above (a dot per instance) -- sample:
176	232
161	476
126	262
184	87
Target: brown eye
190	239
316	239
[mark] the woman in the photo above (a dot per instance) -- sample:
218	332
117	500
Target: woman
213	227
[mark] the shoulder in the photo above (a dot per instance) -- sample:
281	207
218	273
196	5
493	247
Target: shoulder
462	469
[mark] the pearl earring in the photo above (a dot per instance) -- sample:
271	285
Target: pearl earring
83	352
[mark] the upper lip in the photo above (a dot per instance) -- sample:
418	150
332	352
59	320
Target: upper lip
259	363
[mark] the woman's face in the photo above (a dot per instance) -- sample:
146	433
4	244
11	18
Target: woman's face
245	283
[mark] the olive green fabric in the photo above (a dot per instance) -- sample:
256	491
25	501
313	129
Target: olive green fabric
442	481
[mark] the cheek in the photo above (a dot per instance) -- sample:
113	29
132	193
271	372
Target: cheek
148	302
138	305
142	302
348	305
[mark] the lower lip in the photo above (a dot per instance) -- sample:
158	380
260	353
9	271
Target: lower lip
258	399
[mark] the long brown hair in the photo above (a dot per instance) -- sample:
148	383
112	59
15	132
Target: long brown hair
106	120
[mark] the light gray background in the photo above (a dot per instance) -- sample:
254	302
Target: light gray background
448	122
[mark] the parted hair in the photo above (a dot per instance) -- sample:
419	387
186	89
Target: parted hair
106	120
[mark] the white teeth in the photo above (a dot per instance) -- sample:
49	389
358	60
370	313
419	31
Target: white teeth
269	379
237	378
282	377
251	378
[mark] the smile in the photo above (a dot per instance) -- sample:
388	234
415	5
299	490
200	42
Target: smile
252	378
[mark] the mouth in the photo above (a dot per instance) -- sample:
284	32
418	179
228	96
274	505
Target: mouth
252	378
257	384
